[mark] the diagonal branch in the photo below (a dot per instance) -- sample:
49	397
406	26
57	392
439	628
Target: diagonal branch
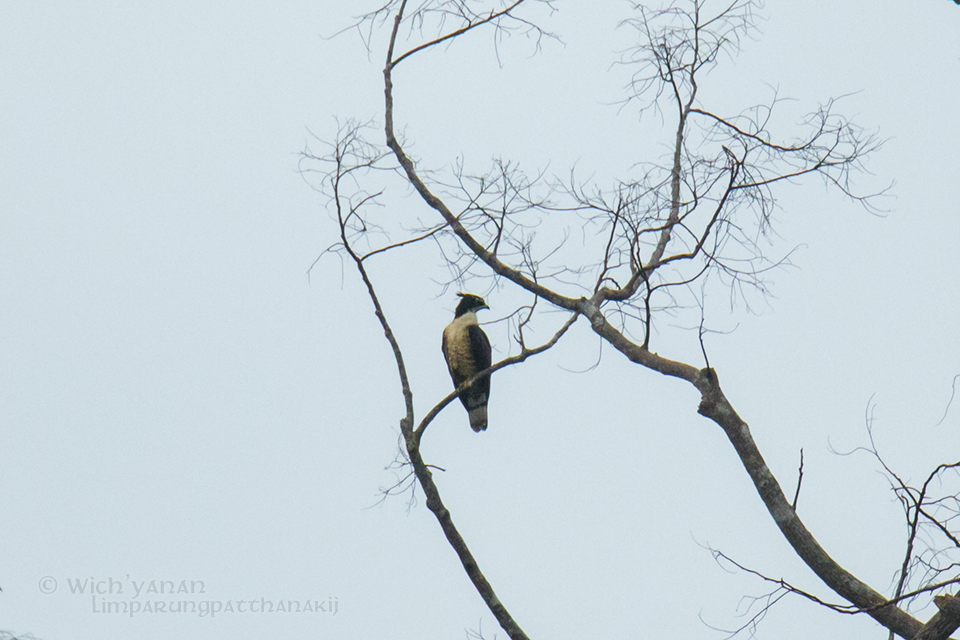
436	203
422	470
506	362
491	17
714	405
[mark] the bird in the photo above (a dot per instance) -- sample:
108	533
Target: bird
466	349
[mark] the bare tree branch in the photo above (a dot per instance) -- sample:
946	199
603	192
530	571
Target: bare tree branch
506	362
705	210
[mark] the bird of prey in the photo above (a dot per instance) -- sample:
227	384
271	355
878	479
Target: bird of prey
467	351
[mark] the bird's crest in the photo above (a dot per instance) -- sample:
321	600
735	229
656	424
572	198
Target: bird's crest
469	302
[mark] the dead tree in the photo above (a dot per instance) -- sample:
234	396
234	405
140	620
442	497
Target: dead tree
695	218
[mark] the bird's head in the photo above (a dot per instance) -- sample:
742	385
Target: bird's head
469	303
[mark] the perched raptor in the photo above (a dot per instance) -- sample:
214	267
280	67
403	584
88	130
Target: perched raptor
467	351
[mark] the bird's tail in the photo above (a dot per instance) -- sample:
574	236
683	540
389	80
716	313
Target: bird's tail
478	418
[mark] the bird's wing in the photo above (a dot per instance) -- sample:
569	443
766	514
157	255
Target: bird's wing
480	351
481	355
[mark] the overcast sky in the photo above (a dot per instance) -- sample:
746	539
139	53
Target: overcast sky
180	402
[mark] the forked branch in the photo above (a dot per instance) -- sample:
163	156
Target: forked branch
692	181
506	362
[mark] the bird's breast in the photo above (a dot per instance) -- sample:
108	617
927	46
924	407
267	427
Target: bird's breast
457	341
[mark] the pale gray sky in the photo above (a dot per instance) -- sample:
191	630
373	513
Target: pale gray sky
178	402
